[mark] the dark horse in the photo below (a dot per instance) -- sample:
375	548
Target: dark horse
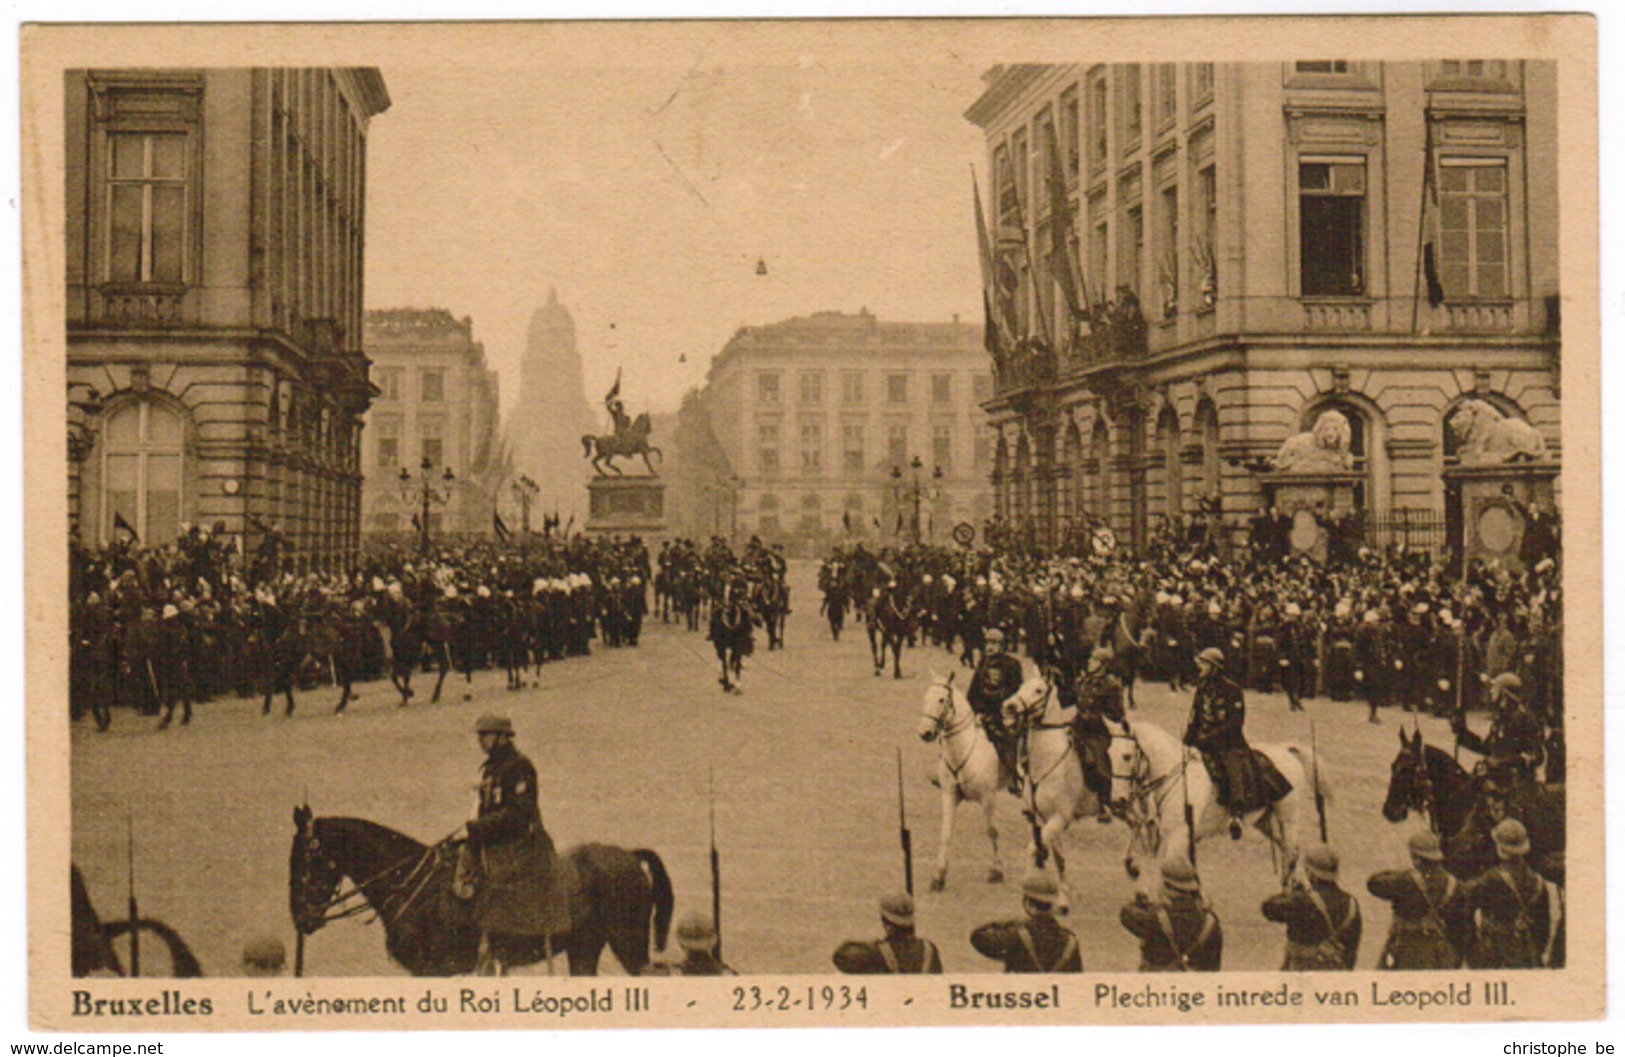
892	621
93	940
732	636
1428	780
417	635
615	898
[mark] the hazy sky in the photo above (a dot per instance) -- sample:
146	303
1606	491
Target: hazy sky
647	195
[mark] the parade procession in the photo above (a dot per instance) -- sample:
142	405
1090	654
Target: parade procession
1197	604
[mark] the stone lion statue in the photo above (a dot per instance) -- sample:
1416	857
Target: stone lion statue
1323	449
1487	437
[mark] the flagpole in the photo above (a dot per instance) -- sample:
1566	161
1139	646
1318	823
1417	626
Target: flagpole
1032	270
1422	217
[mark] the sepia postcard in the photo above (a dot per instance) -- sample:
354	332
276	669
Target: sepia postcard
708	524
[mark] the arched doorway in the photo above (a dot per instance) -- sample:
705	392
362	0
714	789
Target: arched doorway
143	468
1172	473
1207	437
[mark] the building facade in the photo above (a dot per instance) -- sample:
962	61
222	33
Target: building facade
436	405
1249	246
553	415
215	368
822	419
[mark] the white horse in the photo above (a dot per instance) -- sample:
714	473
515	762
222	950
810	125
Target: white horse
1054	794
967	769
1155	777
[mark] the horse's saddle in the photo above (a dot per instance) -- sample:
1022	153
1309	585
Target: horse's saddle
1265	784
519	888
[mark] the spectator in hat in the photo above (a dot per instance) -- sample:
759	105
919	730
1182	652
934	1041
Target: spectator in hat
899	952
1518	914
1179	932
1037	944
697	938
1430	924
1322	921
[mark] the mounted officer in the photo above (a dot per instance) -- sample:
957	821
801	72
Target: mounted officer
1180	932
900	952
1218	715
1514	746
1038	944
997	678
507	847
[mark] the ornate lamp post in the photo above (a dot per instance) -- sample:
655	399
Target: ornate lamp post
525	492
421	492
917	490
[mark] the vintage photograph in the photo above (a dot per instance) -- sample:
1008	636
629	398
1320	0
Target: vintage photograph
794	501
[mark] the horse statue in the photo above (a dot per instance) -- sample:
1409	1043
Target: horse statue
1323	449
1487	437
1429	781
1055	792
967	769
625	442
1163	790
614	896
94	948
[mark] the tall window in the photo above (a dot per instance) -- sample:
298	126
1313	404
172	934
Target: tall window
812	387
812	448
1130	100
1201	83
1167	98
1203	252
897	389
767	448
1473	228
1099	282
897	443
852	448
1331	225
852	388
432	386
146	207
1069	131
767	388
389	380
1097	119
142	470
1131	249
430	441
942	388
1168	251
942	447
389	443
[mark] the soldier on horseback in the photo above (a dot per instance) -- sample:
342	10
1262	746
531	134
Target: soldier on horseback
997	678
1218	715
1514	746
507	848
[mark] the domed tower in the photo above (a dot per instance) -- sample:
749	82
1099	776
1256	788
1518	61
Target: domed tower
553	414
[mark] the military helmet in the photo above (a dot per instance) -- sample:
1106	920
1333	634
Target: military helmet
1510	837
1425	846
696	933
1040	888
491	723
898	909
1180	876
1320	862
1212	655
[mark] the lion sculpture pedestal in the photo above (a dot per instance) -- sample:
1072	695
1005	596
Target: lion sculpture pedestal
626	506
1314	474
1491	527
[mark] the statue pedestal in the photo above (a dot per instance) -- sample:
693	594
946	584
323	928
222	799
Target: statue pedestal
1488	525
626	506
1301	495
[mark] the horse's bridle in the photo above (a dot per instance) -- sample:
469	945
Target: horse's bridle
1424	798
353	901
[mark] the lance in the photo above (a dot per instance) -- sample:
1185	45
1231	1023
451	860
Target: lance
903	835
1190	816
1314	766
129	873
716	863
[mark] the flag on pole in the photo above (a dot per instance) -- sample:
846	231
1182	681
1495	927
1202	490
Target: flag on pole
120	525
614	390
1060	223
1430	215
995	331
500	527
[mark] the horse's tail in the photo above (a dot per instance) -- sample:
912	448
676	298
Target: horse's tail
182	961
1315	766
662	893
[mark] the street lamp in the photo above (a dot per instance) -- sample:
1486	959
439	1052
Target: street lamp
421	492
916	489
525	492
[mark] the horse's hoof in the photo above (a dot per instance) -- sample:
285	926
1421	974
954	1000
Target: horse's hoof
995	876
938	884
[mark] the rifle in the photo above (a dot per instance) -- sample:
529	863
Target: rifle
129	868
1320	797
903	835
716	864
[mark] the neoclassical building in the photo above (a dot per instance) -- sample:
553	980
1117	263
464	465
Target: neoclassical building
214	286
1250	245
